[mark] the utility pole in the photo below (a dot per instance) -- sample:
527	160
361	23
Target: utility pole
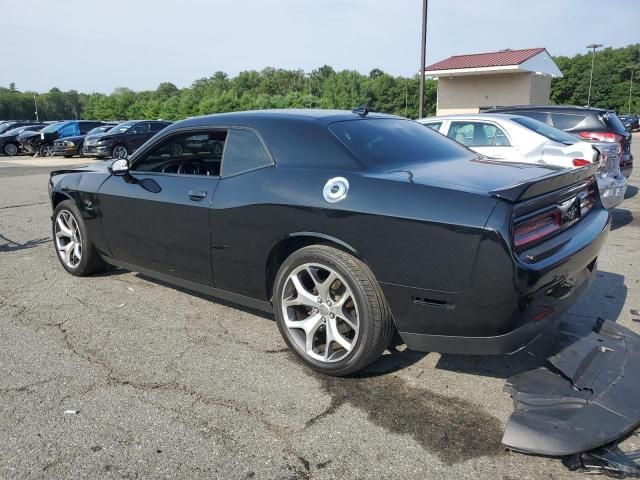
593	46
632	68
36	104
423	44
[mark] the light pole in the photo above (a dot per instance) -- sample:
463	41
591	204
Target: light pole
423	45
35	102
632	68
593	46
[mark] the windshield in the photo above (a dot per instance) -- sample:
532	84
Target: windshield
381	142
122	127
5	127
102	129
52	128
15	131
546	130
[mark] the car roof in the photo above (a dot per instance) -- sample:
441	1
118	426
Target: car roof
547	108
318	116
471	116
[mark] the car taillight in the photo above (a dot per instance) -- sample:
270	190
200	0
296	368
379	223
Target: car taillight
580	162
536	228
608	137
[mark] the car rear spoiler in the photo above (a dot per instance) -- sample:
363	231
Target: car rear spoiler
548	183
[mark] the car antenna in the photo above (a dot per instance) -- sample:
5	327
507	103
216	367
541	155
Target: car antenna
362	110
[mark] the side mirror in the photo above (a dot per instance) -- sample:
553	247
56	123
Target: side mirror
119	167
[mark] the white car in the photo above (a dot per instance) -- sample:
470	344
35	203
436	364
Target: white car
516	138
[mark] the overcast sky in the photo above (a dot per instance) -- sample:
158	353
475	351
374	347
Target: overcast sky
99	45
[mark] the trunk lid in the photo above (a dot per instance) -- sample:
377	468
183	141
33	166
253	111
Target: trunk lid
506	180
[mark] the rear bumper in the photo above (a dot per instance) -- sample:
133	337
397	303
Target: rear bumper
586	397
626	166
612	190
510	301
546	307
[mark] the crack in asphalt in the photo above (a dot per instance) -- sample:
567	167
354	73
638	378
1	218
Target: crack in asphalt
23	205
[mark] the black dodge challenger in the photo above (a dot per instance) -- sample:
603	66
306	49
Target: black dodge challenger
348	226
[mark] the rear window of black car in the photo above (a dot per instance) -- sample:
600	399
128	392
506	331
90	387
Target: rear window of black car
380	142
614	123
567	121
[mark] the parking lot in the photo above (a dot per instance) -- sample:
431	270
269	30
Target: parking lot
120	376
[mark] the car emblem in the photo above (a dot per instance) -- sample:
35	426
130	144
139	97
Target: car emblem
335	189
570	210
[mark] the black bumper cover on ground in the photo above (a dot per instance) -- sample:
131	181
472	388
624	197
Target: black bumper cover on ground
587	396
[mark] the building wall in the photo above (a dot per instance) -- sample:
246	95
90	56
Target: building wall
540	89
467	94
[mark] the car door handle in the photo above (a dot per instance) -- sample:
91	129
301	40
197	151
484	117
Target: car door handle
197	195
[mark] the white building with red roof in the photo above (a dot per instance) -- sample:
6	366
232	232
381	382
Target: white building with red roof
468	83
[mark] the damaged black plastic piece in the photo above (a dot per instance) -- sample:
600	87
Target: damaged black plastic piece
587	396
607	460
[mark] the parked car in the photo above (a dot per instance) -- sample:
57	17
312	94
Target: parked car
630	122
123	139
9	144
347	226
42	143
11	124
601	127
516	138
70	146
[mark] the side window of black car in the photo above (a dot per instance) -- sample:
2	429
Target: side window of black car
140	128
192	153
70	129
244	152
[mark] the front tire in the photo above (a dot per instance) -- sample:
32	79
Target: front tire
74	247
119	152
331	311
10	149
47	150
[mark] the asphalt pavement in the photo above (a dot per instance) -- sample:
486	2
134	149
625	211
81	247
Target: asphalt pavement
120	376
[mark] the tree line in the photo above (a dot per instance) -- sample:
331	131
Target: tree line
321	88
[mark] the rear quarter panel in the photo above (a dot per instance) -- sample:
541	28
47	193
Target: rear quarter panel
409	234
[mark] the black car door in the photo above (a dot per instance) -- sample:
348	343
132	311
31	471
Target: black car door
139	133
157	218
239	219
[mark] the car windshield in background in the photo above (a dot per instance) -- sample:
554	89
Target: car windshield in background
546	131
93	131
391	142
14	131
52	128
122	127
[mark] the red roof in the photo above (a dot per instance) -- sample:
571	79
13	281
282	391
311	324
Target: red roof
492	59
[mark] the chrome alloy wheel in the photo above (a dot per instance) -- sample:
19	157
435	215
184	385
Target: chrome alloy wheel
47	150
68	239
320	312
120	152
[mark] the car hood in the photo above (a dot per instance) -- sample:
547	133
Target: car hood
28	135
509	180
75	138
98	167
98	136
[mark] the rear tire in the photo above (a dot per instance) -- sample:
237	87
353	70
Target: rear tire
69	231
81	151
331	311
